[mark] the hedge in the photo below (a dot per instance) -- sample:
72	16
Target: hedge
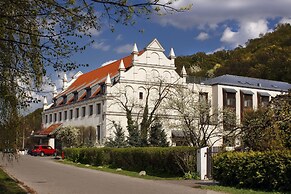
154	160
257	170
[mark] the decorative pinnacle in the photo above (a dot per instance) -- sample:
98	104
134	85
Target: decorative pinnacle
172	54
65	77
134	50
184	73
108	80
44	100
121	66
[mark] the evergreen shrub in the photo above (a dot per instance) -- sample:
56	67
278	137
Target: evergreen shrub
256	170
173	161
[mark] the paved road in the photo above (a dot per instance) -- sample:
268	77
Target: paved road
46	176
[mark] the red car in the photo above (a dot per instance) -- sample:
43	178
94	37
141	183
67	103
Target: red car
42	150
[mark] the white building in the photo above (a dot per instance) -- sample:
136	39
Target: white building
93	98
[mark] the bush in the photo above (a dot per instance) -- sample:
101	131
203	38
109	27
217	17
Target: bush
257	170
155	160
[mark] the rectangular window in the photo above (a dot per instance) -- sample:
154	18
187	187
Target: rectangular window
229	100
246	102
84	111
77	112
66	115
71	114
51	118
140	95
263	100
46	119
98	109
98	133
60	116
55	117
90	110
203	97
204	108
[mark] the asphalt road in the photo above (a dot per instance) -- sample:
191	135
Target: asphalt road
45	176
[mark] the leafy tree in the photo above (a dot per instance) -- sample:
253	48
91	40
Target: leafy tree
258	133
269	128
69	136
37	35
280	110
267	57
119	137
157	135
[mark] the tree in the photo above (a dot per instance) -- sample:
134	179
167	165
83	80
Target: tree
119	137
146	110
149	113
258	133
280	110
157	135
201	124
269	128
88	136
69	136
37	35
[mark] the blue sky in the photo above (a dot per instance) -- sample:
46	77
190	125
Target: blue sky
209	26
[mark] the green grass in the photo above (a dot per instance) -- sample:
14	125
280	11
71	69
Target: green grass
8	185
233	190
122	172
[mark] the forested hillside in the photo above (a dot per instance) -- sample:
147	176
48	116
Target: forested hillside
267	57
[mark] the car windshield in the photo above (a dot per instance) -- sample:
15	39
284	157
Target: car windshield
36	147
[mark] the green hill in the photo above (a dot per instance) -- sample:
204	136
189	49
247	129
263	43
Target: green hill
267	57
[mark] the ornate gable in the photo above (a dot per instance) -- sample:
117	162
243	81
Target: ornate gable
155	46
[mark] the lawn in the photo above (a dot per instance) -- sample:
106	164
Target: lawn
232	190
8	185
122	172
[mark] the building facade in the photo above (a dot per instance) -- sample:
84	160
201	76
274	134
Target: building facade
99	98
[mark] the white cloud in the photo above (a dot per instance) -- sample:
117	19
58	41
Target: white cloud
251	17
247	30
127	48
218	49
119	37
94	32
210	13
101	46
228	35
202	36
285	20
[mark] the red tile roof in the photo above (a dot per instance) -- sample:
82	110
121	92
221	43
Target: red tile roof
98	75
50	129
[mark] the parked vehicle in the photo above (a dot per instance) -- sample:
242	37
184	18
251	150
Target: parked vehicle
42	150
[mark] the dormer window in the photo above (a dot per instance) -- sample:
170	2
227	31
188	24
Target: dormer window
64	99
75	96
88	92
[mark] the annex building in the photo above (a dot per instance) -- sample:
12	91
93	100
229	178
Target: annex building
98	98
